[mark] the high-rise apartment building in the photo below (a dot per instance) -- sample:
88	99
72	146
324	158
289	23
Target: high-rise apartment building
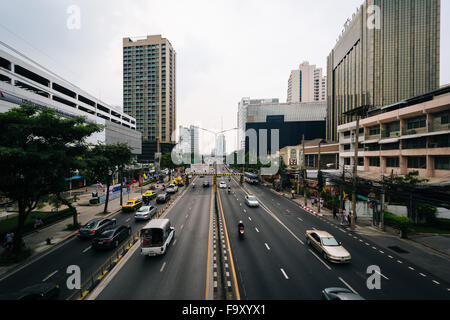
221	147
149	74
387	53
306	84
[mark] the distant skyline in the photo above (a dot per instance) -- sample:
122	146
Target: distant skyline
226	50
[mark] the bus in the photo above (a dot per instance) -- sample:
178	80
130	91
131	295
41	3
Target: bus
251	178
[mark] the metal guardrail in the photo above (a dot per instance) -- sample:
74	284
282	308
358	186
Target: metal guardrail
97	276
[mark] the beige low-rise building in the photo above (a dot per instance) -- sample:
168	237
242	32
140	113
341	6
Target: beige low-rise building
412	135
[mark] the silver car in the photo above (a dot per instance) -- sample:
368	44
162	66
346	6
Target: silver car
251	201
145	213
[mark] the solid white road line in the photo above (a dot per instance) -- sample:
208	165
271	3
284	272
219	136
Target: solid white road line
300	219
49	276
162	268
284	273
422	275
348	286
267	246
320	259
256	229
436	282
411	268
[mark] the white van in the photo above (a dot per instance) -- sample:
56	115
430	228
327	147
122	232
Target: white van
156	237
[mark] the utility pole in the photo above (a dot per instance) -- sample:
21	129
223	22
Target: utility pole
318	177
383	191
304	170
355	172
341	197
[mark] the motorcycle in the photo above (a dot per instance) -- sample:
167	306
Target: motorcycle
241	229
229	190
193	186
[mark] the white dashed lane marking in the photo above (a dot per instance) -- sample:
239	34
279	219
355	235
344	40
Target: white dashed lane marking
49	276
87	249
267	246
162	268
256	229
284	274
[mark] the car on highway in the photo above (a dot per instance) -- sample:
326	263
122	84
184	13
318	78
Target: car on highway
132	205
95	227
222	185
162	198
251	201
145	213
149	194
172	189
40	291
205	184
340	294
328	246
111	238
156	237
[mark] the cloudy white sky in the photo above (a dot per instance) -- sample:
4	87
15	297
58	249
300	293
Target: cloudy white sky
226	49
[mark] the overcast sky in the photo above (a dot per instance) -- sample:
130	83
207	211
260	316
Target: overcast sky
226	49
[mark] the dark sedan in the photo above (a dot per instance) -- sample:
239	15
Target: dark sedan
162	198
94	227
41	291
206	184
111	238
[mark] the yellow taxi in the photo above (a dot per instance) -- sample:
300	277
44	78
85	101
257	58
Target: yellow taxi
150	194
132	205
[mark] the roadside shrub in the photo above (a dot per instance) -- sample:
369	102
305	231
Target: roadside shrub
397	222
428	212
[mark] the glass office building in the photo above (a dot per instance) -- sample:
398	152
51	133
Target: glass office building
388	52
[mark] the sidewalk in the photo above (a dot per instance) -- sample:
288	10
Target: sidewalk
429	252
57	233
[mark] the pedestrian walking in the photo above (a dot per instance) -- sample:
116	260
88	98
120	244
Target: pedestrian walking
9	239
38	223
343	217
334	213
321	203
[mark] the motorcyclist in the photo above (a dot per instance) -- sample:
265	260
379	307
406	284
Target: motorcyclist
241	227
229	189
193	185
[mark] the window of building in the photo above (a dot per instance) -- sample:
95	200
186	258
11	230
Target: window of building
346	147
393	162
375	130
361	162
439	141
374	161
390	146
442	163
417	162
417	123
420	143
347	161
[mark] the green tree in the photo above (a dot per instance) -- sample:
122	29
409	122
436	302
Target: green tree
104	161
37	149
408	184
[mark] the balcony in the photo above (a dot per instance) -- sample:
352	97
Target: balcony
370	137
409	132
390	134
435	127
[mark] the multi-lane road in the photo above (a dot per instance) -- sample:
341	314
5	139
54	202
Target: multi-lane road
273	262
